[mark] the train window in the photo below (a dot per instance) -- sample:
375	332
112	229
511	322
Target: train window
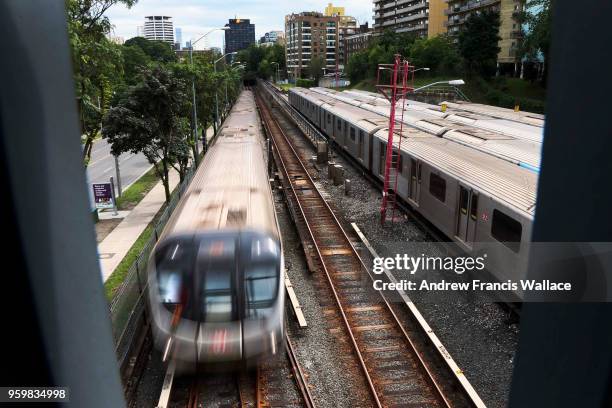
413	169
261	283
419	170
352	133
360	152
217	292
329	118
437	187
173	263
474	207
381	162
506	230
339	124
463	200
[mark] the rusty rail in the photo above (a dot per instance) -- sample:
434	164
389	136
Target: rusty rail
397	374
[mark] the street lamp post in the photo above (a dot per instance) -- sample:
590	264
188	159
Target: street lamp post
194	124
277	65
453	82
216	92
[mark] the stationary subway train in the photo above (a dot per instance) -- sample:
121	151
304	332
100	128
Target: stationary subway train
483	203
512	140
216	276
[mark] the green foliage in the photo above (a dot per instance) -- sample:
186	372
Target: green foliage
498	97
261	61
478	43
537	38
152	120
438	53
305	83
158	51
97	62
315	69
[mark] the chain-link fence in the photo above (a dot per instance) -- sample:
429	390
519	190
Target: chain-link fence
128	306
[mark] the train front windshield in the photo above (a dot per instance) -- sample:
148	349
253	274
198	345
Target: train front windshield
219	277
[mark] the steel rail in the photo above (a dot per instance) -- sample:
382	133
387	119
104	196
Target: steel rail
270	121
298	374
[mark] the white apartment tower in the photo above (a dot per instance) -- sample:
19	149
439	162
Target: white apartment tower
159	28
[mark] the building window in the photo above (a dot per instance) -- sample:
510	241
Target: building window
506	230
437	187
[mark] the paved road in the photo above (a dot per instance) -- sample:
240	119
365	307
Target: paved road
102	165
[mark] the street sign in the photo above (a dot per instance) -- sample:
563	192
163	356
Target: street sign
103	195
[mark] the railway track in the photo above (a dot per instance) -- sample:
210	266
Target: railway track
397	372
263	388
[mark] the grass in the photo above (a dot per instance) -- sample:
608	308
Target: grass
136	192
286	87
521	88
118	276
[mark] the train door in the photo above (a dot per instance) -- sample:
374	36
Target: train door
467	215
415	180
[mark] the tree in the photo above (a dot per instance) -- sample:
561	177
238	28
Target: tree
96	62
158	51
478	43
537	39
153	120
134	60
315	69
438	53
358	66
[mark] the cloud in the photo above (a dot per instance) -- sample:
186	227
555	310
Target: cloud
196	17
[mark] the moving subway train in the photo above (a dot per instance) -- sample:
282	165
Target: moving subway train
481	202
216	275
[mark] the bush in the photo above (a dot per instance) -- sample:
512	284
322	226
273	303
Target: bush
304	83
499	98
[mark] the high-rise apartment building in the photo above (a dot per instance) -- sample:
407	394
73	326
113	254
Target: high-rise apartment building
240	35
459	11
311	35
356	42
159	28
347	26
407	16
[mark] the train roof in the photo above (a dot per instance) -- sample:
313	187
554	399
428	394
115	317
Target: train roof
230	189
521	125
500	179
429	118
529	118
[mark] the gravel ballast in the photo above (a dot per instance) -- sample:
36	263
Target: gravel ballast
481	336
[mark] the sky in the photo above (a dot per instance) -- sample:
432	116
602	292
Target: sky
196	17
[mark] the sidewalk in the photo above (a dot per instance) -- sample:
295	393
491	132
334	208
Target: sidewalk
116	245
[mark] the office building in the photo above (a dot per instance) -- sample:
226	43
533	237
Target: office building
159	28
273	37
459	11
178	38
311	35
240	35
